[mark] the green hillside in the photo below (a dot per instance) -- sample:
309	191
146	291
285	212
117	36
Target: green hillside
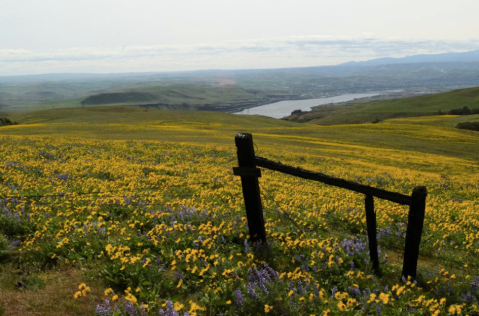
385	109
434	134
180	96
184	95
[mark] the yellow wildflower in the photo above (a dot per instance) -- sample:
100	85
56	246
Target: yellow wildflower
108	291
130	297
384	297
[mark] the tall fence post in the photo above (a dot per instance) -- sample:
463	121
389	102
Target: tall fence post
371	226
249	181
414	231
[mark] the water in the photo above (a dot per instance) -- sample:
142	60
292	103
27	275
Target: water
284	108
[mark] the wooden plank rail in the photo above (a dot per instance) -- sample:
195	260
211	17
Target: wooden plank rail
249	180
345	184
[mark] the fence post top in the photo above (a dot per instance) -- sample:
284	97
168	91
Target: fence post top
243	135
419	191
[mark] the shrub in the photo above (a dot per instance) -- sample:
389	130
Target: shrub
473	126
13	227
4	244
5	121
461	111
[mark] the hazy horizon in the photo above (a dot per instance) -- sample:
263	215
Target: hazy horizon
109	36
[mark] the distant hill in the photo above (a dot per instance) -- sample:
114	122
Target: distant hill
117	98
196	97
380	110
231	90
471	56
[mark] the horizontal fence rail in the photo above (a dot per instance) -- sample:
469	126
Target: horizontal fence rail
345	184
249	174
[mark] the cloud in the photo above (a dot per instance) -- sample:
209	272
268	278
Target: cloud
296	51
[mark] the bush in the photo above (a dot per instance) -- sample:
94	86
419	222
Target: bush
461	111
6	121
473	126
4	244
4	247
13	227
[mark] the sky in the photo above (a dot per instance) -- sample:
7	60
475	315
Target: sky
112	36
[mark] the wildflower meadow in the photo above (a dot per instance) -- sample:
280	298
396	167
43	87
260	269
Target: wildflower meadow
125	224
159	228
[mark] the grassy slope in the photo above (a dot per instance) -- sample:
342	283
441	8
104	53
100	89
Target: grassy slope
430	135
175	95
385	109
194	95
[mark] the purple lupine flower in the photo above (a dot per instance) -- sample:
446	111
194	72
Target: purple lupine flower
262	286
169	310
333	291
305	267
307	286
251	290
251	278
355	291
239	297
246	246
475	283
378	310
351	265
130	309
179	276
467	297
316	289
14	244
274	274
300	287
291	285
104	310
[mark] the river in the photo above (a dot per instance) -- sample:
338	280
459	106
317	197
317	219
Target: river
284	108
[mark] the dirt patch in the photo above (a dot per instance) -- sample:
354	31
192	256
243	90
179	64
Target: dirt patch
55	298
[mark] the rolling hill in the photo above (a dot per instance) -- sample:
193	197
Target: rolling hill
248	88
385	109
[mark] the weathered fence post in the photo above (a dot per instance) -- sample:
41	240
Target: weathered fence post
249	181
414	231
371	226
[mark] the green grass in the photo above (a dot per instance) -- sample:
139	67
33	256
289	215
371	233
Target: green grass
432	135
186	96
176	95
386	109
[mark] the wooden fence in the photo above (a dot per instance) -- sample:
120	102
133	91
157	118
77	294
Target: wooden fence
249	174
